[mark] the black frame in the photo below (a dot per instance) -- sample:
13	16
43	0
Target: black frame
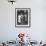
29	17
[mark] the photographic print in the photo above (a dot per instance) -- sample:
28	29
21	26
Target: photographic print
22	17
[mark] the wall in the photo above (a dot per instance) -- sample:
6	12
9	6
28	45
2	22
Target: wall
8	31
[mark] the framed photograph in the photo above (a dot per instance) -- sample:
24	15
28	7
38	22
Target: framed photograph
22	17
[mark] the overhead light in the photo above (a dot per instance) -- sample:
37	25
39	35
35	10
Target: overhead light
12	1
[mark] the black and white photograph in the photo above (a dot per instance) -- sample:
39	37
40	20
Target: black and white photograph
22	17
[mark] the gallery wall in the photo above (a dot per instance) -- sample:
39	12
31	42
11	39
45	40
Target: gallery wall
37	31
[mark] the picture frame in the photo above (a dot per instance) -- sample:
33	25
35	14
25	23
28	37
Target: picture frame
22	17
